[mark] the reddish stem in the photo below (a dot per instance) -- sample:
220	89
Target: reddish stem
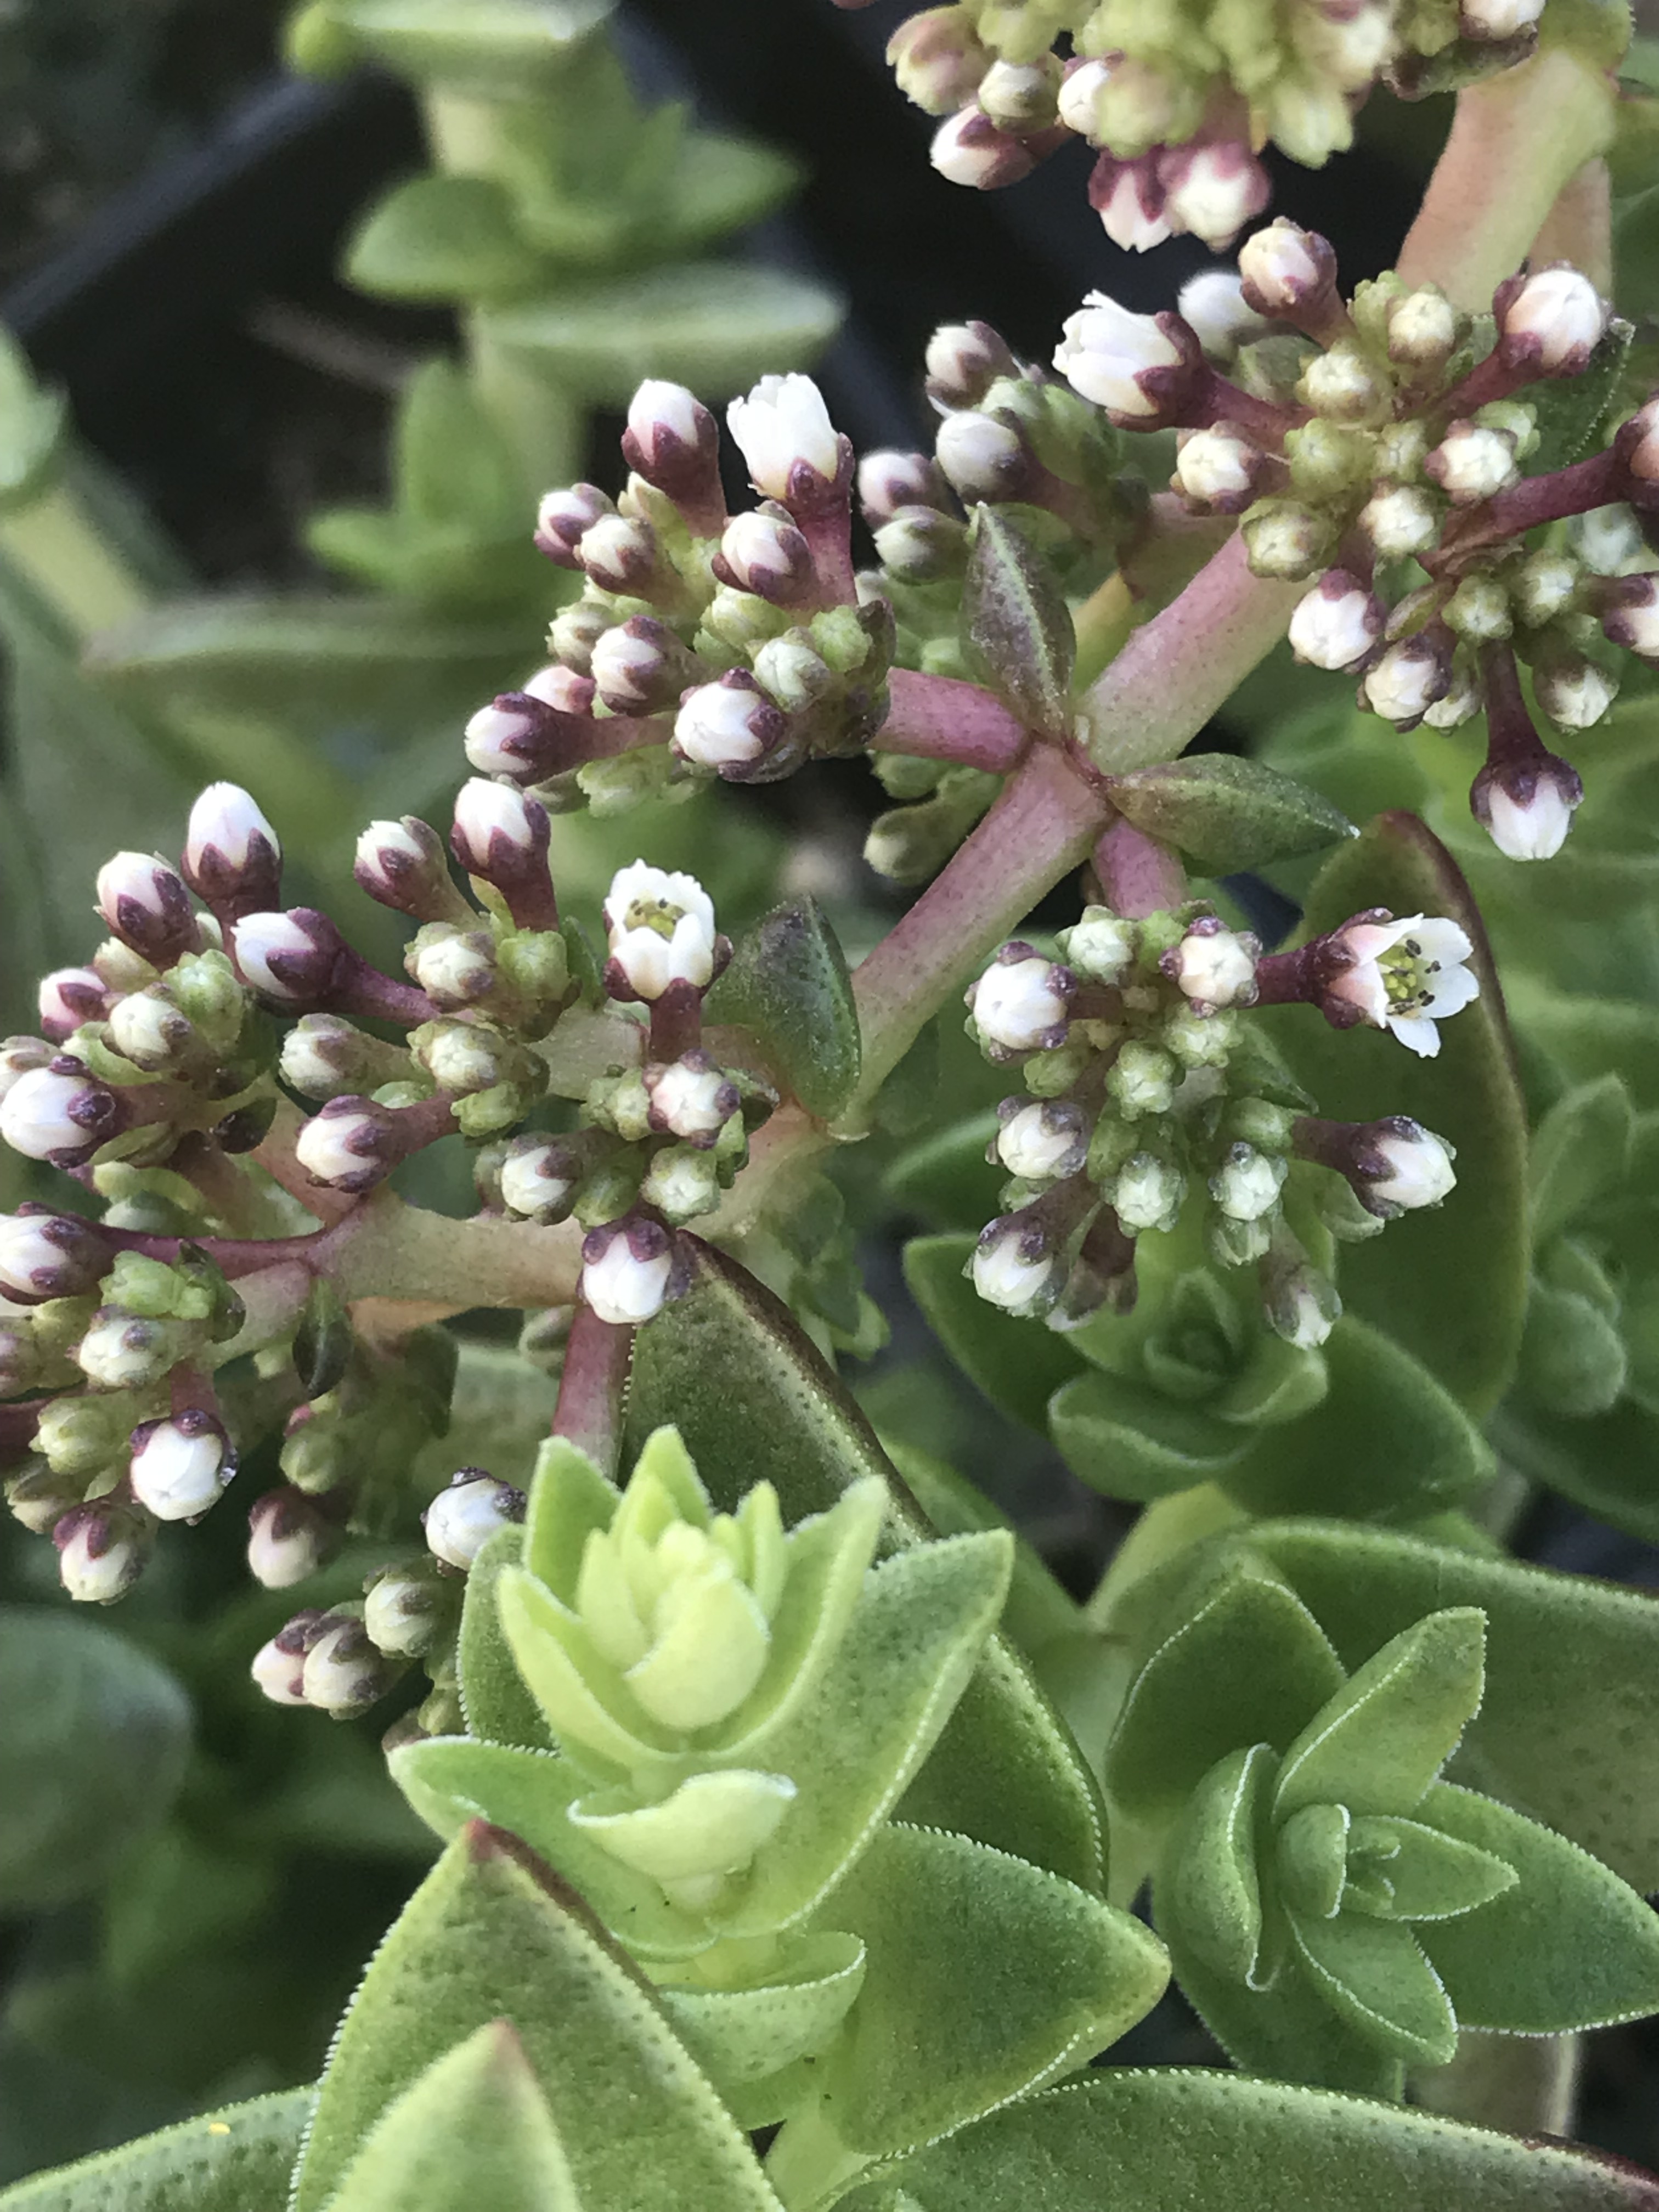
675	1021
1217	399
1139	875
828	534
359	989
1596	483
942	718
593	1388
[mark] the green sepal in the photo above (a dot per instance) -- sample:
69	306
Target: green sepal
236	2160
1422	1873
1226	813
1247	1665
1005	1769
788	983
492	1934
1209	1892
1379	1742
989	1976
1449	1284
473	2130
1148	2141
1129	1441
1017	1365
744	2036
442	238
1373	1975
1569	1946
494	1701
713	325
1017	635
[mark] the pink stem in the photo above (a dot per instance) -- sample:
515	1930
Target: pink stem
359	989
1576	490
675	1021
593	1388
828	534
237	1256
1139	874
1220	400
942	718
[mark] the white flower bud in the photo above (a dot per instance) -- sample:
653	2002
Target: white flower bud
1079	100
1217	468
1425	329
1473	462
461	1519
1285	538
58	1113
1408	679
936	59
1527	809
727	725
1464	701
964	361
626	1271
792	672
1013	1268
539	1178
783	431
671	440
1147	1193
1285	269
279	1666
563	518
969	149
1553	319
691	1097
232	857
1212	304
920	544
1415	1166
401	1610
1572	691
1248	1184
1478	611
1041	1139
50	1256
983	457
888	481
463	1057
122	1351
765	554
343	1671
639	666
1632	618
516	735
1400	519
1128	364
67	996
179	1466
1021	1004
350	1145
660	927
1021	96
1129	200
456	968
289	1539
620	553
1213	966
1339	624
147	1028
1212	189
498	833
145	901
1303	1308
102	1551
1341	384
1498	19
288	957
566	690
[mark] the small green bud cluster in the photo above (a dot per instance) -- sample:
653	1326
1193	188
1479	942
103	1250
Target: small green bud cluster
703	643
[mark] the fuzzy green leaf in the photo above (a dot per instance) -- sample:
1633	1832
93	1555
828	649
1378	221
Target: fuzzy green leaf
1225	813
493	1698
1311	1860
712	325
237	2160
946	1180
569	1498
442	238
1430	1875
1605	1463
1209	1894
1285	2027
1016	633
1017	1365
1569	1946
1380	1741
1153	2140
1129	1441
92	1753
1580	1151
492	1934
1247	1664
719	184
741	2037
788	983
473	2130
1374	1977
493	48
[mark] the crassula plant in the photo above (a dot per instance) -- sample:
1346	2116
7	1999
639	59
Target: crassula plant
797	1839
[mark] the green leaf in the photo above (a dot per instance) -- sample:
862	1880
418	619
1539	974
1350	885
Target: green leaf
1570	409
569	1499
1449	1284
788	983
1374	1977
946	1178
1386	1442
1379	1742
1569	1946
1227	813
1016	627
719	184
442	238
493	1698
500	49
92	1753
742	2036
1167	2137
1311	1860
1581	1151
1130	1440
1606	1463
712	325
1005	1769
235	2160
492	1934
1209	1893
987	1978
32	425
1430	1875
473	2130
1569	1726
452	465
1247	1665
1017	1365
1285	2027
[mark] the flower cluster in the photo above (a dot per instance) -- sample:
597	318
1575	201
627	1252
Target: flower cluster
703	643
163	1081
1147	1092
1378	449
1178	100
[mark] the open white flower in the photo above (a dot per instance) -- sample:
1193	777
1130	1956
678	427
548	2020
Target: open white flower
1106	351
660	925
784	424
1407	977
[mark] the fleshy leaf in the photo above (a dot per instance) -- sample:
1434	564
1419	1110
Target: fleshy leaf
1381	1740
1016	1364
1148	2141
1430	1875
740	2037
1311	1860
442	238
1227	813
237	2160
1055	1976
713	1824
569	1498
1016	633
788	982
1285	2027
1129	1441
473	2130
1209	1894
1569	1946
1580	1151
1374	1977
945	1179
496	1704
1247	1665
589	1714
490	1934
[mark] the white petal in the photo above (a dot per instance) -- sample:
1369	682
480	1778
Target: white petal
1418	1033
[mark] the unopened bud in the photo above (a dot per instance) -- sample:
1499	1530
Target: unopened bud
324	1055
1339	624
1549	321
521	736
965	360
232	859
1217	468
564	517
101	1550
501	837
352	1144
785	434
539	1178
1408	678
1473	462
727	725
1286	271
642	667
1022	1002
1425	329
19	1056
938	59
456	968
920	544
1021	96
1344	384
1213	306
1142	1080
1041	1140
983	458
1526	805
1479	610
1212	189
969	149
58	1113
1400	519
146	904
628	1268
1631	615
765	553
1573	691
1147	1193
50	1256
1139	368
890	481
1129	200
343	1671
180	1465
1287	538
291	959
67	998
671	440
1248	1183
461	1519
289	1539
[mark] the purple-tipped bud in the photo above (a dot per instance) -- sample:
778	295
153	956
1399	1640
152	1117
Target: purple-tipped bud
1129	199
1212	189
1549	321
568	691
969	149
1016	1266
621	554
765	553
564	517
232	861
1212	303
729	724
146	902
58	1113
401	865
50	1256
279	1666
938	59
642	667
1631	614
501	837
69	996
691	1098
1409	677
343	1671
793	452
455	968
965	360
352	1144
291	959
1142	369
1637	446
1473	462
1213	966
673	441
1339	624
628	1271
1219	470
520	736
461	1519
539	1178
1022	1002
179	1466
1286	273
1525	801
1040	1140
289	1538
101	1550
889	482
